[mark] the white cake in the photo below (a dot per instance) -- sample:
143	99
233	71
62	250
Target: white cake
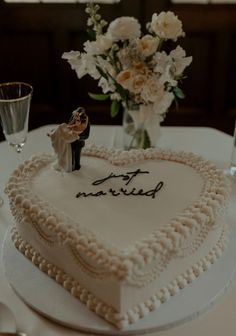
125	232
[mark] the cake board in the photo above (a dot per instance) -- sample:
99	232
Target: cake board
33	287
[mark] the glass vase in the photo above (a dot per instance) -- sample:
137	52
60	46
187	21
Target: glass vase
141	127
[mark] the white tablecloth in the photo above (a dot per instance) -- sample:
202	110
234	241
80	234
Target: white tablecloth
210	143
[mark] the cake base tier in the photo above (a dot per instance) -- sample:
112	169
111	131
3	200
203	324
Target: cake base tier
34	287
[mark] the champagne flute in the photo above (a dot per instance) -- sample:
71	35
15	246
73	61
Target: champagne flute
231	170
232	167
15	98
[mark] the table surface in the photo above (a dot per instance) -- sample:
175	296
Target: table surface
210	143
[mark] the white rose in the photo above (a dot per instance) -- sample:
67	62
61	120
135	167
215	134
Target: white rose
166	25
147	45
124	28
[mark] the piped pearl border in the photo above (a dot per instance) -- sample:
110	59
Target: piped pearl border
121	321
123	265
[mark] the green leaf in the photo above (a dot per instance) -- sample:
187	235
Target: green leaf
100	96
122	92
102	73
179	93
115	108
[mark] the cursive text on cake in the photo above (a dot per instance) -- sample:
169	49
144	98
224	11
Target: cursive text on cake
122	191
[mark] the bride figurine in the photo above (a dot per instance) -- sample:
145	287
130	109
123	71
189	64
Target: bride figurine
68	140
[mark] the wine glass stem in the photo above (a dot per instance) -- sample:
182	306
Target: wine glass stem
1	201
18	149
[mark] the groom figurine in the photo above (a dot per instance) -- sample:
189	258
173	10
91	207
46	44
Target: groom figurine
69	139
79	123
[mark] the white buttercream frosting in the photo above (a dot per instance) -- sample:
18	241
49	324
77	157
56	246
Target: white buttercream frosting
123	242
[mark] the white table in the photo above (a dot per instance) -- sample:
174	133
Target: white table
210	143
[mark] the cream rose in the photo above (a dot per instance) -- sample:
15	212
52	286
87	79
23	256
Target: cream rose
124	78
147	45
138	83
124	28
153	90
166	25
140	68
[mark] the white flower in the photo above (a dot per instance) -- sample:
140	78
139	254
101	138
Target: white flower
153	90
137	63
162	105
161	62
73	57
104	42
124	28
180	62
106	85
147	45
115	96
82	63
171	66
106	66
99	46
168	77
166	25
76	60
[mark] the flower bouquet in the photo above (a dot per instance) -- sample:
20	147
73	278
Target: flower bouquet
133	69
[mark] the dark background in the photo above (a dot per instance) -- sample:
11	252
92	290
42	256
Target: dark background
34	36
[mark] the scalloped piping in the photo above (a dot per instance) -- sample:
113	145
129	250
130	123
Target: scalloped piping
172	238
121	320
97	273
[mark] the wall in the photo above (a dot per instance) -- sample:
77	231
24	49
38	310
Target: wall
34	36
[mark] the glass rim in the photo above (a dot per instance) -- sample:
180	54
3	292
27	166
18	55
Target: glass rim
16	99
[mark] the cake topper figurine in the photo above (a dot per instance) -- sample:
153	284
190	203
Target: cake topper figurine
68	140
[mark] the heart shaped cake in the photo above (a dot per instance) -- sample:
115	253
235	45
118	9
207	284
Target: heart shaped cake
125	232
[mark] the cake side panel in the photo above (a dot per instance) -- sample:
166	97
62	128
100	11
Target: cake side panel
77	266
161	280
126	302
